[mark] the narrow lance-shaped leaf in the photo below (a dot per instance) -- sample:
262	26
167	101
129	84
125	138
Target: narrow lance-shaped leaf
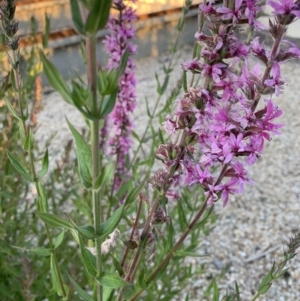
55	79
55	280
133	194
98	16
29	141
45	36
11	109
40	251
42	199
19	167
108	293
105	176
215	292
45	165
59	239
108	104
84	158
111	224
87	232
88	258
82	294
76	16
112	280
53	221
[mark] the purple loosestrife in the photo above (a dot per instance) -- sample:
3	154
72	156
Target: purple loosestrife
227	119
116	43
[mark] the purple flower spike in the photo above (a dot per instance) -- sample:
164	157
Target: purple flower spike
219	118
121	32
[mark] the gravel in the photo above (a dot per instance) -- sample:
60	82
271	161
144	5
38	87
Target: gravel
252	229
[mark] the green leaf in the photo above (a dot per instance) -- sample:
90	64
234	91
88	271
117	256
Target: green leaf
123	62
215	291
41	251
87	232
182	218
105	176
88	258
136	136
54	276
280	274
159	88
117	265
45	36
80	95
53	221
76	16
13	81
98	16
133	194
107	293
108	82
161	137
11	109
55	79
75	235
84	158
45	165
263	289
29	141
267	279
237	291
110	225
107	104
59	239
18	166
170	235
182	254
82	294
148	109
112	280
42	199
165	84
141	279
205	218
55	279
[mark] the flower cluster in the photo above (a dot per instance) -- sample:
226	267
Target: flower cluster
225	118
121	32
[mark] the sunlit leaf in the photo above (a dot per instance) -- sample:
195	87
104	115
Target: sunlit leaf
84	158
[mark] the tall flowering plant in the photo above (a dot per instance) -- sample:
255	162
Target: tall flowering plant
219	128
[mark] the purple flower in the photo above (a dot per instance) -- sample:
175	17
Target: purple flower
193	65
234	14
121	32
231	187
285	7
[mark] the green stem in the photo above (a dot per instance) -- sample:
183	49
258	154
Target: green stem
256	296
96	164
267	72
173	250
134	229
